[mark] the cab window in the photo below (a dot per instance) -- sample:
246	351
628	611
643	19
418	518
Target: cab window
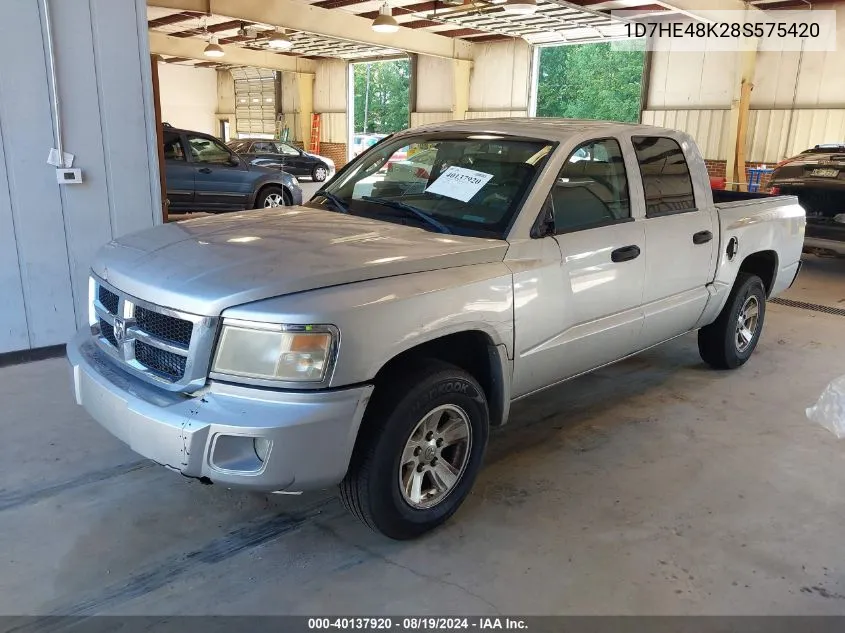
592	188
666	178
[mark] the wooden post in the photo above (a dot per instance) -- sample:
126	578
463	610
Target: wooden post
742	128
162	171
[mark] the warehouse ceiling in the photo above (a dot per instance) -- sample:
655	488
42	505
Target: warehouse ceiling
476	21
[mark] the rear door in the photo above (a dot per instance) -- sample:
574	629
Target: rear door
222	182
179	172
681	241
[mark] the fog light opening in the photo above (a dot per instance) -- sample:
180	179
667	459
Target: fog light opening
261	447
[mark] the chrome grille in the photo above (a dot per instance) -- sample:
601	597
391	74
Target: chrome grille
166	327
109	300
168	364
167	347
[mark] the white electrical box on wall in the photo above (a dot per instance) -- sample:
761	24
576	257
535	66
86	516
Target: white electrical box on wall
69	176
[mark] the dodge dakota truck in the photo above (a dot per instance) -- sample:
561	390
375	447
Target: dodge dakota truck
371	342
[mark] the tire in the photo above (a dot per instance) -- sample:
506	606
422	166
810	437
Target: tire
273	196
319	173
394	426
720	344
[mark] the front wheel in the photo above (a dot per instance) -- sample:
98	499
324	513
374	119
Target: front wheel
730	340
320	173
273	196
418	452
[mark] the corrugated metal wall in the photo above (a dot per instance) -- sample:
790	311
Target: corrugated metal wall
772	134
500	77
709	128
49	233
330	96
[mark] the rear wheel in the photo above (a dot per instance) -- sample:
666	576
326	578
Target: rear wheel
273	196
320	173
418	452
730	340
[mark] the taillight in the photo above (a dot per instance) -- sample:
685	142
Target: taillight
775	191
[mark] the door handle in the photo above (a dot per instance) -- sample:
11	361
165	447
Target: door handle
625	253
702	237
204	170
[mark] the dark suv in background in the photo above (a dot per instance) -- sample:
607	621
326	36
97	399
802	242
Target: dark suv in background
205	175
817	177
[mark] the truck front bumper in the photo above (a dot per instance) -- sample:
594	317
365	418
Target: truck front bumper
305	438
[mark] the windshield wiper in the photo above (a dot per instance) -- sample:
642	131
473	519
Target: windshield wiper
338	203
401	206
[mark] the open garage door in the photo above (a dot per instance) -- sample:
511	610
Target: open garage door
255	102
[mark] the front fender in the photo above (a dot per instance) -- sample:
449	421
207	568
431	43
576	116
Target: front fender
381	318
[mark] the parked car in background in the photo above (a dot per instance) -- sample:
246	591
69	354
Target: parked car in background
284	156
205	175
363	142
817	177
372	342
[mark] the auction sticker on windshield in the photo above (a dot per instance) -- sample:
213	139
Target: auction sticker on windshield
459	183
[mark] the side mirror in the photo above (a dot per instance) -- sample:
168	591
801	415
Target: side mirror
234	160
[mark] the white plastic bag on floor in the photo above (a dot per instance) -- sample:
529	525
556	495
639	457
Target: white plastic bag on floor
829	411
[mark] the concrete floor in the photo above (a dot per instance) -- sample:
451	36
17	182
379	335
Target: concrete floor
656	486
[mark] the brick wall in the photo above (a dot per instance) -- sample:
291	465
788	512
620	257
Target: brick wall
335	151
716	169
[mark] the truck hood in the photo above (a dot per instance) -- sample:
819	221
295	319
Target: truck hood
206	265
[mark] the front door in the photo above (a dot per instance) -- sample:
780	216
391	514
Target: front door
681	241
293	160
222	182
588	311
180	173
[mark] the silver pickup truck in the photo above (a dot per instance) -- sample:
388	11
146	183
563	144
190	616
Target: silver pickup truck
371	337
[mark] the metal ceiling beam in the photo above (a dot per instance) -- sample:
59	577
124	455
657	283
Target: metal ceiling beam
332	23
174	18
192	48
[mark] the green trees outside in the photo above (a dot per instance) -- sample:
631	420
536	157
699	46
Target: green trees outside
382	93
590	81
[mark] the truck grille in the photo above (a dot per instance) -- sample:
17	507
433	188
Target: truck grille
163	346
165	327
166	363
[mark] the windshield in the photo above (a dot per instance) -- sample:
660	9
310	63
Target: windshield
471	183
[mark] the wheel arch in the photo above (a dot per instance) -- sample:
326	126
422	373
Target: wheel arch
264	186
764	264
475	352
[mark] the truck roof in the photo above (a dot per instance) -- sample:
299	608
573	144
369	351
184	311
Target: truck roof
552	129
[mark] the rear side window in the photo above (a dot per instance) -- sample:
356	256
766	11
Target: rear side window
173	147
666	178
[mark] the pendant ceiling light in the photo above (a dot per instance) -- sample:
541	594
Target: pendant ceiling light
385	22
213	49
279	40
520	7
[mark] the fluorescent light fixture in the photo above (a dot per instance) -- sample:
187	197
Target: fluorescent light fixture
214	49
520	7
385	22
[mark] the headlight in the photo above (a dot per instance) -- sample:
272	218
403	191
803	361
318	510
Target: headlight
285	353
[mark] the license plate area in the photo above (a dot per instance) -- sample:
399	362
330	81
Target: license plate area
822	172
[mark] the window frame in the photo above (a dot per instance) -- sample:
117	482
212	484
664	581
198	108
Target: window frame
179	139
594	225
281	145
663	214
187	139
